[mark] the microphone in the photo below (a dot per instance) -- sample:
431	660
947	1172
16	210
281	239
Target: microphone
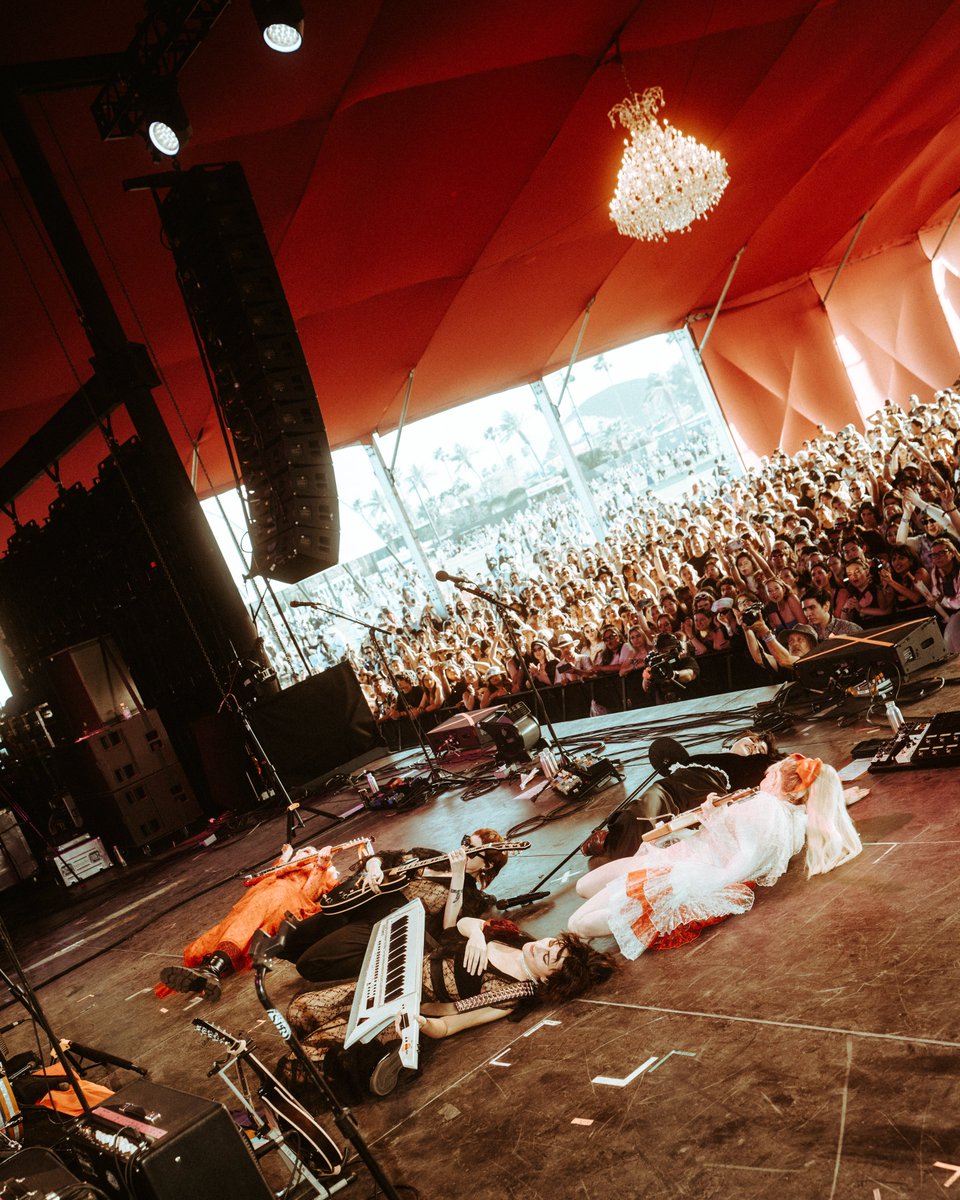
302	604
443	577
522	901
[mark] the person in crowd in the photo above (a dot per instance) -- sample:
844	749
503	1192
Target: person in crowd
867	601
904	578
673	672
945	590
543	665
607	660
816	609
782	607
496	686
666	895
768	650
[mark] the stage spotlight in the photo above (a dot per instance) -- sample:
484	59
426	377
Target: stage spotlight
281	23
165	121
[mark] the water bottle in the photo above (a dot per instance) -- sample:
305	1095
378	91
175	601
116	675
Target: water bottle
894	716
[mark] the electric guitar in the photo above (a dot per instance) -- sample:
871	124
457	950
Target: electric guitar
356	891
295	864
296	1127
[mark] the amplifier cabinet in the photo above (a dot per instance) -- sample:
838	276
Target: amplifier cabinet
149	1142
462	731
38	1172
911	646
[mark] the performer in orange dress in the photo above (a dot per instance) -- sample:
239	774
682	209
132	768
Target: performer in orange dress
295	888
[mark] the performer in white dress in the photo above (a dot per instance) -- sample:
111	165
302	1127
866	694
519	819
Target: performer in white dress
664	896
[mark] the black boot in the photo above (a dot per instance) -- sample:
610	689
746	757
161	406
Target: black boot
205	978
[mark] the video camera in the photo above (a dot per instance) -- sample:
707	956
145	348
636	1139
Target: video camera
757	612
662	664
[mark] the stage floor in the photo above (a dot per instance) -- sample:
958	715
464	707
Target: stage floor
807	1049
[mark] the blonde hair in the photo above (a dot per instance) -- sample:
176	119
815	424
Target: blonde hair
831	836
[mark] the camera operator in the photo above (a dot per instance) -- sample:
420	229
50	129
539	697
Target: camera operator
669	670
767	650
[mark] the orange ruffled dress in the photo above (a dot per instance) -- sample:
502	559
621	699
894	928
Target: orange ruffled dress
263	906
675	891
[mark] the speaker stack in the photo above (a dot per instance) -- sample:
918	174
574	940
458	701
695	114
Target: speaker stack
128	782
234	296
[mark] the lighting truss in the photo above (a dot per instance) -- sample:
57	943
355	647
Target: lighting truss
161	45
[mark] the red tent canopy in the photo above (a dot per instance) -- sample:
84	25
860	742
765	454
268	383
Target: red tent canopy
434	179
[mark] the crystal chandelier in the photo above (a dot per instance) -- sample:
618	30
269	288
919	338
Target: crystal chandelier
667	180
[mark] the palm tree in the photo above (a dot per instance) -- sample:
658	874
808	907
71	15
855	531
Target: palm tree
511	426
463	457
441	456
493	435
417	480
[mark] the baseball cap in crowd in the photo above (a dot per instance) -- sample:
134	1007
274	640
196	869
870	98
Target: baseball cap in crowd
722	604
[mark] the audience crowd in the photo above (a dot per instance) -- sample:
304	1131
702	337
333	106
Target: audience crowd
726	587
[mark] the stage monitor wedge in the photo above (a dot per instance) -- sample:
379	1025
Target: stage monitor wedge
911	646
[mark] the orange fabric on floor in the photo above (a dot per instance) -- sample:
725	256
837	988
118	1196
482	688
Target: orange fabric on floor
66	1101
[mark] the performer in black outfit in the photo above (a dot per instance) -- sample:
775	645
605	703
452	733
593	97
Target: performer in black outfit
330	946
686	784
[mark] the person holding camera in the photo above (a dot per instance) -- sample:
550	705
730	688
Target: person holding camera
669	670
767	650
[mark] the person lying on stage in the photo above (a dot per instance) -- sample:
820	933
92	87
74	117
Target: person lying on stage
686	783
293	886
664	896
481	971
330	945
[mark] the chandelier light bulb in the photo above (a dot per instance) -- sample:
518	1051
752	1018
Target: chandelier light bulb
667	180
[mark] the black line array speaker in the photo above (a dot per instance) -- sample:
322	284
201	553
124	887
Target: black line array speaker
910	646
233	293
149	1142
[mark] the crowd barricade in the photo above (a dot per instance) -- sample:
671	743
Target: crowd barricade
720	672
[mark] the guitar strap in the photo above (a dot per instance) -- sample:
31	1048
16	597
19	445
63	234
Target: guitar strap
499	997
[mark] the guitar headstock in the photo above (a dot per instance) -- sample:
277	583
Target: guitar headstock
216	1034
506	847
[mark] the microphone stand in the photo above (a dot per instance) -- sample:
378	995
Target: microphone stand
435	773
260	950
536	894
294	820
503	606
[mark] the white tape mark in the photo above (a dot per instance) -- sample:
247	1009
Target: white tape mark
496	1062
610	1082
540	1025
949	1167
685	1053
582	1121
164	1009
571	874
148	991
886	852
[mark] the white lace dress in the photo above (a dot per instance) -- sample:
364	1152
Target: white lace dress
706	877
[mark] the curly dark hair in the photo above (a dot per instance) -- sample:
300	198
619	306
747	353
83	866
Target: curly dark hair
581	967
